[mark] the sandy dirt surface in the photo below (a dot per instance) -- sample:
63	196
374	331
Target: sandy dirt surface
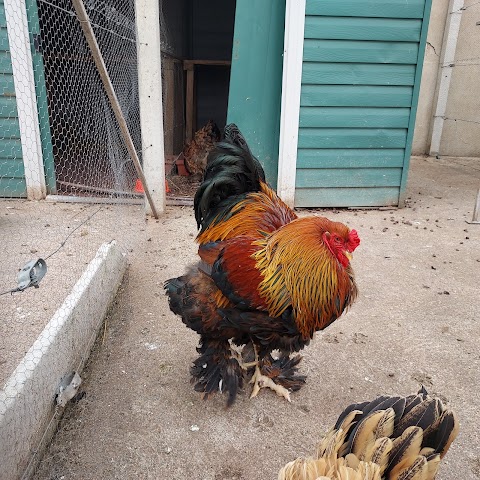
415	322
29	230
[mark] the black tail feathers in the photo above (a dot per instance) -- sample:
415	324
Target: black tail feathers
232	170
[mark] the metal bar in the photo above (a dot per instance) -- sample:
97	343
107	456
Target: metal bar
115	104
476	210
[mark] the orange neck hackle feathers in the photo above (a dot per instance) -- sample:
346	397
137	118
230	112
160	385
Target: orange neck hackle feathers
259	212
300	271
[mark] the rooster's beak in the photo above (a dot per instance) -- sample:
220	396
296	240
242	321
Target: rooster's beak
348	255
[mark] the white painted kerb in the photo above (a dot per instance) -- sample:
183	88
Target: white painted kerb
27	400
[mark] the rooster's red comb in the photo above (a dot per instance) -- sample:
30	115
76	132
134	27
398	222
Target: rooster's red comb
353	240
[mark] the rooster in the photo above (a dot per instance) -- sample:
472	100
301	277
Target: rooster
267	280
390	438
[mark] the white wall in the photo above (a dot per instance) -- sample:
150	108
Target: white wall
459	137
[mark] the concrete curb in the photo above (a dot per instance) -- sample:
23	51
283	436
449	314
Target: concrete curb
27	401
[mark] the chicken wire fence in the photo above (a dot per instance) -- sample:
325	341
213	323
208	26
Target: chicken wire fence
59	138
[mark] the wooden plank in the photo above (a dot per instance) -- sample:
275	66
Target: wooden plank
10	148
350	177
361	117
13	187
352	137
367	8
5	63
349	158
346	197
12	168
357	74
355	28
359	51
189	104
218	63
356	95
9	128
8	107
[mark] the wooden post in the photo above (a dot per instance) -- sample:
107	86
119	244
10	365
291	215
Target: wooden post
112	96
189	104
169	87
291	87
147	15
22	66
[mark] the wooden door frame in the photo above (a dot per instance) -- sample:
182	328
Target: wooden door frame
291	89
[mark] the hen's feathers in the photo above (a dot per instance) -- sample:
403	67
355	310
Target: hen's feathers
382	440
196	151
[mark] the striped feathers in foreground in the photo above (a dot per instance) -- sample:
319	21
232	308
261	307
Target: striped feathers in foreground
391	438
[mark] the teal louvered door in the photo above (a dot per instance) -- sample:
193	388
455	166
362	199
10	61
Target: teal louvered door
362	63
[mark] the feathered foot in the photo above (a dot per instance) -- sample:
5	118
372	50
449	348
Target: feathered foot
278	375
283	371
260	381
216	370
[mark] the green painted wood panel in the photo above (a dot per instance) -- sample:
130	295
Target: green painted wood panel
352	137
356	95
9	128
12	168
354	28
345	51
360	83
8	107
349	158
7	85
354	117
13	187
10	148
256	78
348	178
346	197
12	171
4	39
357	74
5	63
367	8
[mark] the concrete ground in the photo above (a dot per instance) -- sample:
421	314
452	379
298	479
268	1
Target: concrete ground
31	230
415	322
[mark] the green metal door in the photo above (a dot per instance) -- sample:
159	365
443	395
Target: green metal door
362	64
256	78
